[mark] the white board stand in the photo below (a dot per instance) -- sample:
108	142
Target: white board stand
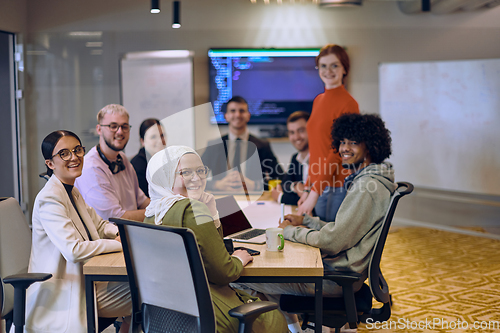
159	84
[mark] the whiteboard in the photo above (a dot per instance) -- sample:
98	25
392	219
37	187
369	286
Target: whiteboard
445	123
159	84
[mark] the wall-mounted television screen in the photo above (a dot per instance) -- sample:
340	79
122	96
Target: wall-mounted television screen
275	82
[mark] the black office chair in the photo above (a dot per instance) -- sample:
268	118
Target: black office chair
168	284
353	307
44	175
15	247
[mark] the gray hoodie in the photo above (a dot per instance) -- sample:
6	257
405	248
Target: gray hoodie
349	240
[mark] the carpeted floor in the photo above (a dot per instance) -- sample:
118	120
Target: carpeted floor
442	281
443	277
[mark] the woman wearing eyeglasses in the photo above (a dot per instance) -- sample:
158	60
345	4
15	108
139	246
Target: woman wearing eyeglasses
177	181
326	175
66	233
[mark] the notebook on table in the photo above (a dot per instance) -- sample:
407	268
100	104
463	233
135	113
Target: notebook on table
235	224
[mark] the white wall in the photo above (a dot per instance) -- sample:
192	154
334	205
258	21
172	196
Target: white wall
68	86
452	107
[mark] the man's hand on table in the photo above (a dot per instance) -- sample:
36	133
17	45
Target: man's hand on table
231	181
248	183
293	220
283	224
234	181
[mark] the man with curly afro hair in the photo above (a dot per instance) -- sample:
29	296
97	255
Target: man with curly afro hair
363	143
367	131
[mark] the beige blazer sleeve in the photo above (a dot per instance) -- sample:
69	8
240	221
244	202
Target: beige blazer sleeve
65	229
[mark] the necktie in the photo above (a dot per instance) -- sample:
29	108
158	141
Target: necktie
237	155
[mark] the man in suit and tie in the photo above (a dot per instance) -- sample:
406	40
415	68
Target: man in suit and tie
241	161
293	181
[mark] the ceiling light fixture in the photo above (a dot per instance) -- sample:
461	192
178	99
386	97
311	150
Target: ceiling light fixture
176	19
85	33
155	6
426	5
93	44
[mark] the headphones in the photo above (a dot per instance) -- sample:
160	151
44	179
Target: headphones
116	166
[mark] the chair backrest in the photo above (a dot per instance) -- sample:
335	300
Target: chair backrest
378	285
15	248
167	278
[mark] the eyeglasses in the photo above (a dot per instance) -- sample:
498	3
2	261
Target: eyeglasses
65	154
324	67
188	174
113	127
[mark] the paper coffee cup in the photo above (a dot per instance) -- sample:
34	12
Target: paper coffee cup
274	239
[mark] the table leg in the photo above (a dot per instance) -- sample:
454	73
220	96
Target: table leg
89	299
318	304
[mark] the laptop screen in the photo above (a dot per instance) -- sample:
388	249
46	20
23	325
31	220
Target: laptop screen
233	220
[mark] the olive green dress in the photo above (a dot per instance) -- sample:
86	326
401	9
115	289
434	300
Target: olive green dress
220	267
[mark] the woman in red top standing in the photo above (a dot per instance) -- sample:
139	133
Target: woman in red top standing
326	175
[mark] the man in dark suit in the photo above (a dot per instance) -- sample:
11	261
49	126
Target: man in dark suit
293	182
241	161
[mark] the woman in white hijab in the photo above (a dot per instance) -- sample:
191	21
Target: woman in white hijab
177	180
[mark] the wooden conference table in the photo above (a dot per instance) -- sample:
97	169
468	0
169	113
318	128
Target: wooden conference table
296	263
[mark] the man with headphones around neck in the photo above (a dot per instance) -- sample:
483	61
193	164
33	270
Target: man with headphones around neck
108	182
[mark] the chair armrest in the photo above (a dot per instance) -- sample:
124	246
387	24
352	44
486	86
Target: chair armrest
21	282
24	280
247	313
253	309
342	277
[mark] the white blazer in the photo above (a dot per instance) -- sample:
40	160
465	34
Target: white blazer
61	247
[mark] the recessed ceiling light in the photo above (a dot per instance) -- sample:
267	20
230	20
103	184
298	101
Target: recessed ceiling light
85	33
93	44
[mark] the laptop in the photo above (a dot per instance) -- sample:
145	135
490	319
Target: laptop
235	224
